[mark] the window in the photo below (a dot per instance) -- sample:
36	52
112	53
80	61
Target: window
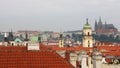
88	33
12	44
88	43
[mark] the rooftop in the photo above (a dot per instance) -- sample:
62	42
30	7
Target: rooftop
32	59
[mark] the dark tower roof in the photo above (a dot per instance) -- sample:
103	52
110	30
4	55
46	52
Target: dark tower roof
96	25
100	21
61	36
87	21
26	37
10	36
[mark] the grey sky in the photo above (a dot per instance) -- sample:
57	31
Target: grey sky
56	15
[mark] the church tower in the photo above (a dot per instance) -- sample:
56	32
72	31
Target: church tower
87	35
26	37
61	41
100	25
96	25
10	36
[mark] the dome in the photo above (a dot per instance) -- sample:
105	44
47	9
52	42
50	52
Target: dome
87	26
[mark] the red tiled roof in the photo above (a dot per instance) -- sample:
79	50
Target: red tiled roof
13	48
110	50
32	59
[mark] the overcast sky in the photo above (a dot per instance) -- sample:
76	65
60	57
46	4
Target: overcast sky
56	15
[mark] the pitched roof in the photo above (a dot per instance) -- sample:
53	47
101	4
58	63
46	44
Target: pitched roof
32	59
106	50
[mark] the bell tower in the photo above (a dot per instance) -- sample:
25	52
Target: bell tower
87	35
61	41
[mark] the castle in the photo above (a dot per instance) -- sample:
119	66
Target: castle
101	28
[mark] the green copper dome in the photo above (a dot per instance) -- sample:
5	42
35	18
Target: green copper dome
87	26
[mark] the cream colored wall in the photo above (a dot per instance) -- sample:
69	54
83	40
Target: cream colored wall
85	31
110	66
61	53
73	59
61	43
87	38
85	42
84	61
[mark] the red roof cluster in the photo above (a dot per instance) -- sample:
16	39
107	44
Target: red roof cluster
106	50
32	59
20	57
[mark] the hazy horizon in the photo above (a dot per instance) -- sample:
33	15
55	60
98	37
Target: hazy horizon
56	15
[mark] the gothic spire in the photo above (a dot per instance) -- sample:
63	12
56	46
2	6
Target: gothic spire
100	21
96	25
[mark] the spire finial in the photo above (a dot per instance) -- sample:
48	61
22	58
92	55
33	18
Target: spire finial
87	21
100	19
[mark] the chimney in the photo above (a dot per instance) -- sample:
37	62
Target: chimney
67	56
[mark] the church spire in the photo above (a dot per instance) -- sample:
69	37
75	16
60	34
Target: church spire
95	27
10	36
100	19
105	25
100	25
26	37
86	20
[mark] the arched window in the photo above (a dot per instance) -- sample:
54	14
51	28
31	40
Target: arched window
26	44
12	44
88	33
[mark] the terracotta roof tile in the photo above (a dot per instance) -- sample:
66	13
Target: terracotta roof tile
32	59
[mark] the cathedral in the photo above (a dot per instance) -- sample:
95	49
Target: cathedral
104	28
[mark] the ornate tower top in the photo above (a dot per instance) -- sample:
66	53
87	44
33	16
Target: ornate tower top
87	21
100	21
87	25
96	25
